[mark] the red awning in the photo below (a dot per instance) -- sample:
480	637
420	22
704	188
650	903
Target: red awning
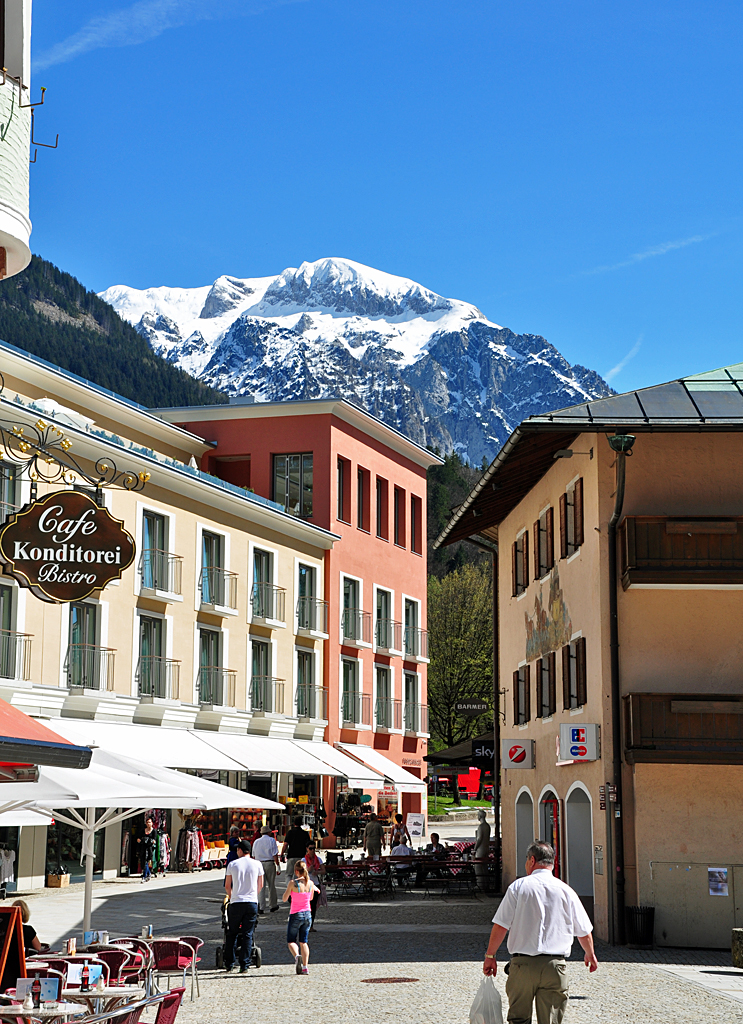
24	741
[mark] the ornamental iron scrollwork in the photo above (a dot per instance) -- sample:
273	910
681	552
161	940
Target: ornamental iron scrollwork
44	453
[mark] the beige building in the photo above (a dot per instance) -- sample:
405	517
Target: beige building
671	838
185	644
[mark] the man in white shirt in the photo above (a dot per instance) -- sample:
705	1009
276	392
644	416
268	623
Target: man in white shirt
402	870
542	916
266	850
241	883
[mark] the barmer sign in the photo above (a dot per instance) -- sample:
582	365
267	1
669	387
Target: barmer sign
64	546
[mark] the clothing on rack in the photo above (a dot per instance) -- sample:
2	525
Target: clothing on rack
7	866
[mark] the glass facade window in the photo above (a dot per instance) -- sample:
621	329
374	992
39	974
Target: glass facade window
292	483
8	481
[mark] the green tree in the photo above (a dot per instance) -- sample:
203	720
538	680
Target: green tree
448	486
460	647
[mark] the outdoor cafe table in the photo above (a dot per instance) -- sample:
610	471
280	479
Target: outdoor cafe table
103	1000
51	1013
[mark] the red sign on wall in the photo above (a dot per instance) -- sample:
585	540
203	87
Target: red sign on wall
65	546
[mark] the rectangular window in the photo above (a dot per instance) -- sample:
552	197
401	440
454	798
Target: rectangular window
306	702
263	596
416	524
574	682
412	708
546	685
351	701
155	562
382	509
262	690
521	695
384	625
344	490
212	569
352	617
571	519
363	499
154	674
87	663
7	636
399	514
292	483
520	563
8	480
544	554
384	699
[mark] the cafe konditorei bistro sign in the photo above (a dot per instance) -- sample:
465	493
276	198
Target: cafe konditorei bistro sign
64	546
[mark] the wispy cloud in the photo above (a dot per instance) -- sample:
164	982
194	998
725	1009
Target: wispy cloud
647	254
615	370
143	21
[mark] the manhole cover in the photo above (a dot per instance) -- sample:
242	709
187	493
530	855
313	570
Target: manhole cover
386	981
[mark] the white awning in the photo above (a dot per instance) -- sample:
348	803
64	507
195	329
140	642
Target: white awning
359	776
156	744
403	780
265	754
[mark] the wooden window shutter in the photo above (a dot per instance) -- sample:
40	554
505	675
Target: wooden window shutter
537	566
550	517
527	693
566	676
578	512
552	667
563	526
580	670
516	698
514	589
525	541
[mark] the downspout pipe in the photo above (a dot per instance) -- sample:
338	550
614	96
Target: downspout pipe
621	444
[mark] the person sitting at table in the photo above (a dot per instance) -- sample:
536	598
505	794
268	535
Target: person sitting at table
30	938
399	832
402	870
435	848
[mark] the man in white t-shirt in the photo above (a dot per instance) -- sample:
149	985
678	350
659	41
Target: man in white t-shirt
402	870
542	915
266	850
242	880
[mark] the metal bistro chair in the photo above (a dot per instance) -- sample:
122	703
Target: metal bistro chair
168	1008
195	943
115	960
124	1014
141	962
171	956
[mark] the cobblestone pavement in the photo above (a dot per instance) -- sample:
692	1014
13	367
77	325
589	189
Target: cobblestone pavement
438	943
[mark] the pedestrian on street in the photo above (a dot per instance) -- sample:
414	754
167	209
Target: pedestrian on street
296	841
542	915
315	869
300	890
243	878
399	833
373	837
266	850
147	839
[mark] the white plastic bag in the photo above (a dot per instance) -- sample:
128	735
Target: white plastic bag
487	1007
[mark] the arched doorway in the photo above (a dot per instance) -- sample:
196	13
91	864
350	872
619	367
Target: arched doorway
524	829
579	841
549	826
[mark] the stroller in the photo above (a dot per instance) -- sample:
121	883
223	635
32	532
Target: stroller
256	959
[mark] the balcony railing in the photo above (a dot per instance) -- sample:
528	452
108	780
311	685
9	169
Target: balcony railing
161	570
357	626
389	713
268	602
388	635
416	643
267	694
357	708
7	508
312	614
677	728
218	587
312	702
416	717
15	655
217	685
662	550
158	677
90	667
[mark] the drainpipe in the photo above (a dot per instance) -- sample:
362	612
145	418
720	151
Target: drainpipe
621	444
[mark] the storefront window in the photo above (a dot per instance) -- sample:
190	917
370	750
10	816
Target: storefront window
64	847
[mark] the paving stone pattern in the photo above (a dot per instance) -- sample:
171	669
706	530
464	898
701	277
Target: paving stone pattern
439	943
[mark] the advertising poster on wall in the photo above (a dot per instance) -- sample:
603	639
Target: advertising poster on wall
717	879
416	825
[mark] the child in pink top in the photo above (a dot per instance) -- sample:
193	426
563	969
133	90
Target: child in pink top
301	890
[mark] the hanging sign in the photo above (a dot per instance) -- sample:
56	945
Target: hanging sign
482	750
517	753
472	708
64	546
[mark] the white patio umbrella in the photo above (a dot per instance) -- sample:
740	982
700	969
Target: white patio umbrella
125	787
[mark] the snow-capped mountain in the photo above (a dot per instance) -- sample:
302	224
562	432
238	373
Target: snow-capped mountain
435	368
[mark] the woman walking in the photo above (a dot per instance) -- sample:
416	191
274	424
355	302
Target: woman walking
315	868
301	890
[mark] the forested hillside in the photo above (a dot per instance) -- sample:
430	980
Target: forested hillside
50	314
448	486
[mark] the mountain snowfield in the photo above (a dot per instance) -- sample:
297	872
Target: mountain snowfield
435	368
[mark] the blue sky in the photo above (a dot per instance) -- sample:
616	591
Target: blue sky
572	168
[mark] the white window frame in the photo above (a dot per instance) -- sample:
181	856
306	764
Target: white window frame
317	568
169	516
359	661
418	690
295	676
224	653
18	597
217	609
394	652
416	600
254	546
343	640
140	613
391	669
273	657
64	632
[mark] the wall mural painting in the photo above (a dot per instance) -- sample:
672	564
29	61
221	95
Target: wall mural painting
548	628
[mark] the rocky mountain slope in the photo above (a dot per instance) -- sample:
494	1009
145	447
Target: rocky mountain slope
435	368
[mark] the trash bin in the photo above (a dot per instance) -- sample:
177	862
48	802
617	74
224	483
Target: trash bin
639	927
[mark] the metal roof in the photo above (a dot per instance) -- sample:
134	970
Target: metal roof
703	401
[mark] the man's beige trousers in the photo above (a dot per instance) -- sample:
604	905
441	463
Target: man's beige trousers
541	980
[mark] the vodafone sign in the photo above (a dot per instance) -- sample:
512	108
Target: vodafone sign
64	546
517	753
